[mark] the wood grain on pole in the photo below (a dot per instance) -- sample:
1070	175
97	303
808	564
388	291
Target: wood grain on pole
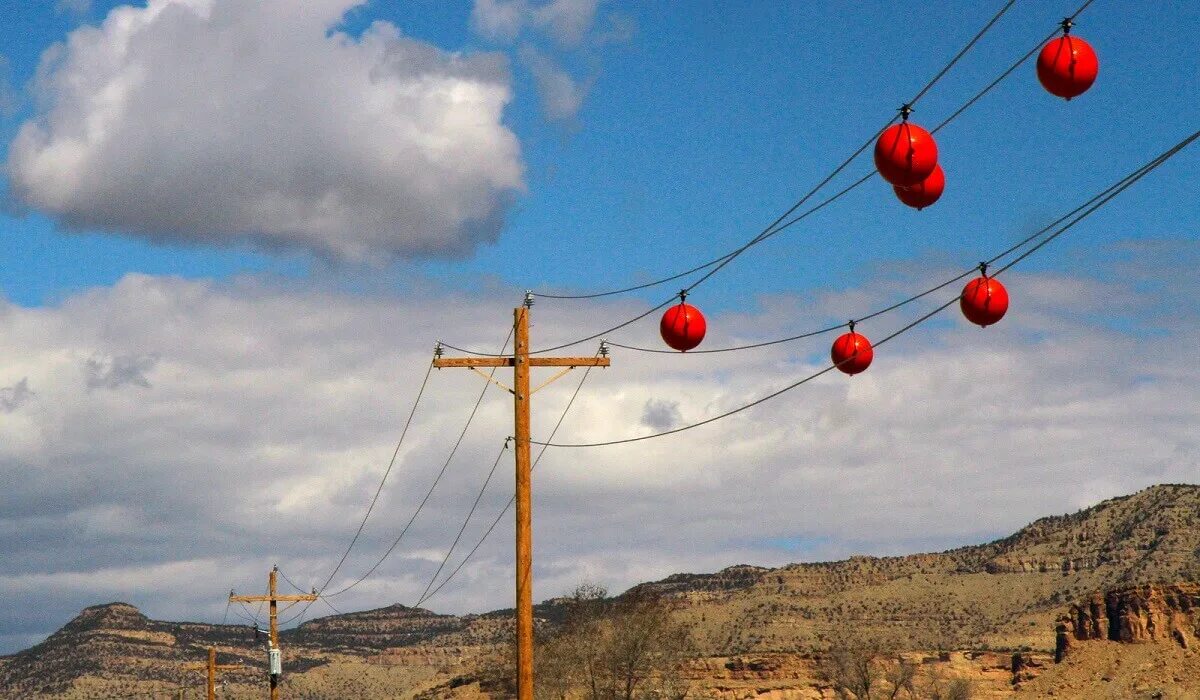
521	362
524	568
212	673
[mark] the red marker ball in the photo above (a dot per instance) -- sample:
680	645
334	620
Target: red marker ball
905	154
924	193
852	353
682	327
984	301
1067	66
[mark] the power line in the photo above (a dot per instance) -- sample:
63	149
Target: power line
466	521
386	473
289	582
781	225
511	500
1124	184
729	257
436	481
908	300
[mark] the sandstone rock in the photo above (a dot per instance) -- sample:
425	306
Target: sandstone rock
1131	615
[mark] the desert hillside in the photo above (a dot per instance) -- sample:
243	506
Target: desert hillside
1110	587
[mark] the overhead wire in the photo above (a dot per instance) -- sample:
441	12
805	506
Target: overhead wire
432	487
719	263
729	257
289	581
445	465
466	521
331	606
780	225
246	614
899	304
382	481
1112	192
566	409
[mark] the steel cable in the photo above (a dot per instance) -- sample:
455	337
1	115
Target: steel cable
466	521
780	225
429	493
1125	183
387	472
511	499
729	257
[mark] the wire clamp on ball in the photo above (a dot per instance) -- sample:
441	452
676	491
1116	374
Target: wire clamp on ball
905	110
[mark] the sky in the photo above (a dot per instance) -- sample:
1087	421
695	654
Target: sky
232	234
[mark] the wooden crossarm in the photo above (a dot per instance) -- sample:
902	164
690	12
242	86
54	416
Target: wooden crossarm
298	598
533	362
473	362
569	362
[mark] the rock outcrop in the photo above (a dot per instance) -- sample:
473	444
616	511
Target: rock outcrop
1133	614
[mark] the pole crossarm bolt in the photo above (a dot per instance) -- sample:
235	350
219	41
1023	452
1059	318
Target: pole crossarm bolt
522	362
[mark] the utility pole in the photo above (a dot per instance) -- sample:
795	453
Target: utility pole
521	362
212	667
274	655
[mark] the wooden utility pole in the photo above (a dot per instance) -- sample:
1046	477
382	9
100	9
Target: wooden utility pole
521	362
274	599
212	667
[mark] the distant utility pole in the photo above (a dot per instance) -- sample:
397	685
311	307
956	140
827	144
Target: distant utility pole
212	667
274	656
522	398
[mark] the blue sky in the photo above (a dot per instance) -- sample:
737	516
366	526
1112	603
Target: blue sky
710	120
207	353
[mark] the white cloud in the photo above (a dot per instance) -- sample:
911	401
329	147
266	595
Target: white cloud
566	21
270	414
561	95
74	7
219	121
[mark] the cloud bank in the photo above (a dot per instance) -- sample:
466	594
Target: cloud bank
165	440
218	121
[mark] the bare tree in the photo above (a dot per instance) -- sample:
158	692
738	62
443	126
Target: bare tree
625	648
898	675
938	688
860	666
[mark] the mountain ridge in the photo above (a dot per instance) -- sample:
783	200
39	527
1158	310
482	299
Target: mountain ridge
1004	595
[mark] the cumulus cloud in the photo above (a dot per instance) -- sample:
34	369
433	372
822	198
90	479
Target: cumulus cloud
217	121
271	413
566	21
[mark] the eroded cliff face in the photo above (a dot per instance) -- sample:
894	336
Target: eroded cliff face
1134	614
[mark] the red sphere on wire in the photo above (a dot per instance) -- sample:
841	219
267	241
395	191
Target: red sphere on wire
984	301
1067	66
682	327
925	192
852	353
905	154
